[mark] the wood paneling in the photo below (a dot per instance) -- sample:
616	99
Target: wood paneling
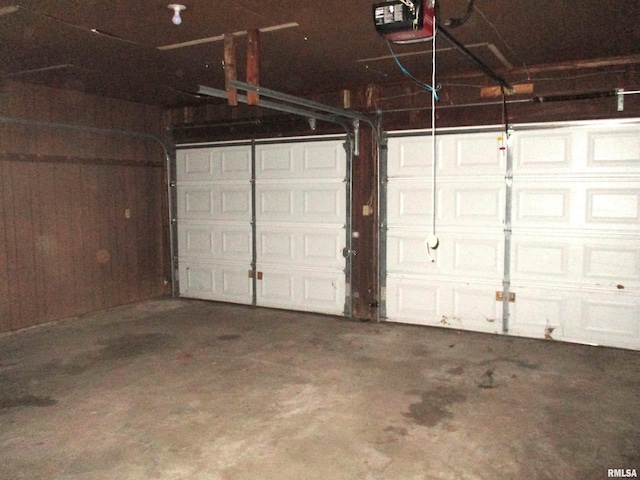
67	244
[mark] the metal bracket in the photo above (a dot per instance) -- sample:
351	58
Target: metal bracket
500	296
620	92
346	253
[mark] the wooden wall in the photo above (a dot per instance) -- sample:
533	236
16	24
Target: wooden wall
82	214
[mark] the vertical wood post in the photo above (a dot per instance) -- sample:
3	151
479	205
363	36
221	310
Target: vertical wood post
230	69
253	65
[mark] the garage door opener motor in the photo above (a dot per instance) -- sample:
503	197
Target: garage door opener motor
405	21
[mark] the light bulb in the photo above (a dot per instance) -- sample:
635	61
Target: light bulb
177	8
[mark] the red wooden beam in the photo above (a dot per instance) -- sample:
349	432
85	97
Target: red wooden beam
253	65
230	69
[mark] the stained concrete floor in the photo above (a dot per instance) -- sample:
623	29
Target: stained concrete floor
179	389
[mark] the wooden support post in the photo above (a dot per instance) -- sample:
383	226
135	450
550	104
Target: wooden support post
253	65
230	69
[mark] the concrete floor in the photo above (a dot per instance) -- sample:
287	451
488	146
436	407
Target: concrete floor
178	389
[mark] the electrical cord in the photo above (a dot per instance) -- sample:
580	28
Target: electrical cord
409	4
456	22
406	72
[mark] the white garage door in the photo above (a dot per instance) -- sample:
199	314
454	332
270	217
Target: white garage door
214	223
573	256
278	243
576	234
301	225
456	289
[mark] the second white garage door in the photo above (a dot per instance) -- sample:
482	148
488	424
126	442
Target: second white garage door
301	225
292	225
570	252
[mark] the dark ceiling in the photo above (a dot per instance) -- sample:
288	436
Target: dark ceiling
111	48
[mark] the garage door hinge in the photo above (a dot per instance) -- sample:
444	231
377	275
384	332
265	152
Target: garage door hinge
347	253
500	296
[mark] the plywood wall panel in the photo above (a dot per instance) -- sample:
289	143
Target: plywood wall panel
119	259
69	211
39	109
48	245
24	233
90	236
11	248
38	198
66	246
14	137
7	245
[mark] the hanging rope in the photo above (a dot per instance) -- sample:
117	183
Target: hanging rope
432	240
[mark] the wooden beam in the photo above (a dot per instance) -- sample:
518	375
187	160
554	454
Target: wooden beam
519	89
253	65
581	64
230	69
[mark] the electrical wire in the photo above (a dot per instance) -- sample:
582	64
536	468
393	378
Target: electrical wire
409	4
406	72
456	22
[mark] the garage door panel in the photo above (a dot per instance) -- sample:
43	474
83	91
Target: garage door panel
574	203
606	318
456	289
214	281
459	155
475	308
551	258
434	302
572	285
616	264
577	315
477	256
458	255
474	153
578	150
410	156
215	241
409	203
534	153
214	164
281	287
316	247
407	252
551	205
324	247
216	202
614	205
413	300
477	205
303	203
541	313
301	221
303	160
214	223
463	203
619	149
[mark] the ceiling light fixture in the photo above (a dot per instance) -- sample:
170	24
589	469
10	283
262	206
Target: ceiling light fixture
177	8
8	10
